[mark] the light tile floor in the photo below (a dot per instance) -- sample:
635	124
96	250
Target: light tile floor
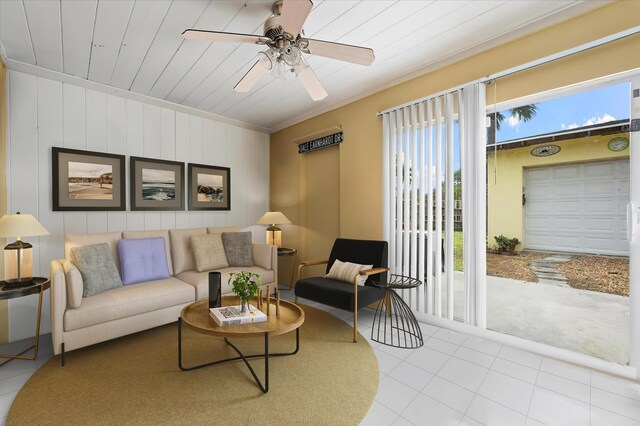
455	379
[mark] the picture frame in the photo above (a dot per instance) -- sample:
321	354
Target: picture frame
209	187
156	184
87	180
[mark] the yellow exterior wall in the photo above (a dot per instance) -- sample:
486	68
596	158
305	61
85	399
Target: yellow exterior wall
4	307
361	152
505	210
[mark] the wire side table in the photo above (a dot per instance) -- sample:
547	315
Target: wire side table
394	324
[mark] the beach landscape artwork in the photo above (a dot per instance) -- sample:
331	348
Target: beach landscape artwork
210	188
158	185
90	181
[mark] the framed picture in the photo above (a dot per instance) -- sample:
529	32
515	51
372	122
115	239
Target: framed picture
87	181
209	187
156	184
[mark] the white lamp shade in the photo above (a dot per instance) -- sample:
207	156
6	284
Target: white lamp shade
273	218
21	225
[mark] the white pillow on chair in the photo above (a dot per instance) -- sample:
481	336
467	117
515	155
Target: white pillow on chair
347	272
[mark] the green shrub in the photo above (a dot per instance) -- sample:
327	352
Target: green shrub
506	244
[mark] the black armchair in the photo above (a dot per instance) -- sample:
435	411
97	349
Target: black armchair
343	295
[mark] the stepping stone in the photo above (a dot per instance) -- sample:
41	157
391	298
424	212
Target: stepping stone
558	258
547	272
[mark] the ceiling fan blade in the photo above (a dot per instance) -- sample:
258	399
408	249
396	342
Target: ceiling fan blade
311	83
205	35
251	77
293	15
342	52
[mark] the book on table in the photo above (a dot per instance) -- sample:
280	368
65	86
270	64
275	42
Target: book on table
232	315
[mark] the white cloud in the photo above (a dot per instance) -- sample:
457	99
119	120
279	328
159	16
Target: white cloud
513	121
599	120
604	118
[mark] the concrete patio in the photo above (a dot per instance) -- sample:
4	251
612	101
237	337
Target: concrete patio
588	322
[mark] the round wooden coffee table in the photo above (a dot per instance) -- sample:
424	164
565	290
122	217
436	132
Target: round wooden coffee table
196	317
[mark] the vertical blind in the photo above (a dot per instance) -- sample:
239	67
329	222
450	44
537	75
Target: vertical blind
418	194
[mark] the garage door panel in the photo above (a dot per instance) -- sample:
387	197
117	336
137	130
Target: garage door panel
567	224
568	188
565	172
600	224
539	175
600	206
601	188
578	207
598	170
537	191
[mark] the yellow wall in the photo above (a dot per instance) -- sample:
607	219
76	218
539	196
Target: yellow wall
361	152
506	212
4	308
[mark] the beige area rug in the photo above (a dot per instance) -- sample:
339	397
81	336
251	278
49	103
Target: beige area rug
136	380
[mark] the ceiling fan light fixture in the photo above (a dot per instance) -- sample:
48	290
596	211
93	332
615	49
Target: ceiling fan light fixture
267	58
279	69
291	55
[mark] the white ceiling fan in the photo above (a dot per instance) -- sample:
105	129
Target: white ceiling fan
286	44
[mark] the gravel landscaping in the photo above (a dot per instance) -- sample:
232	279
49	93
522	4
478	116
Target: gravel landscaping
604	274
515	267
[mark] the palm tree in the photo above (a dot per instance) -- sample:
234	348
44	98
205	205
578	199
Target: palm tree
523	113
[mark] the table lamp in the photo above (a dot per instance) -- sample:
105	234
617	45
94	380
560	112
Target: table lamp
18	258
274	234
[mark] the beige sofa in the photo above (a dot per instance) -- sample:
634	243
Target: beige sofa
78	321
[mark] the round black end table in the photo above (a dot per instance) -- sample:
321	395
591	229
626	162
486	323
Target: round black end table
38	285
286	251
394	324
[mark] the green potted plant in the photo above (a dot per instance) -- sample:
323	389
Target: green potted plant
245	285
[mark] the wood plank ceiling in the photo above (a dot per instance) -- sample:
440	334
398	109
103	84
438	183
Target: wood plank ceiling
136	45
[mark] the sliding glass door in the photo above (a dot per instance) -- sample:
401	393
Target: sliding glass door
559	183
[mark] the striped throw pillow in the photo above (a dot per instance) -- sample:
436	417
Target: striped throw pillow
347	271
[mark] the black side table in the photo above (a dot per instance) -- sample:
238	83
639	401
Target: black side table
394	323
38	286
285	251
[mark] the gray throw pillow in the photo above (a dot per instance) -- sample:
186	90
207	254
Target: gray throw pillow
238	248
99	272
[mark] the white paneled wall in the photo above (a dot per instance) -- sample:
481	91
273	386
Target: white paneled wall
44	113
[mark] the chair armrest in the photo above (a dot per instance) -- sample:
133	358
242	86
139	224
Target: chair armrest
305	263
373	271
313	262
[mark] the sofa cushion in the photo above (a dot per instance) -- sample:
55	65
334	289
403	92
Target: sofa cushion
127	301
142	259
208	252
262	255
200	280
238	248
221	229
153	234
181	253
73	280
97	268
77	240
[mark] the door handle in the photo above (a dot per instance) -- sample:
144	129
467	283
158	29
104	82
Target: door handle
633	219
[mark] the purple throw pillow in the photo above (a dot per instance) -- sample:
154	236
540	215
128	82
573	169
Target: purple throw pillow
142	259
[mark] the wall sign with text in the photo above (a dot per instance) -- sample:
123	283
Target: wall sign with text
323	142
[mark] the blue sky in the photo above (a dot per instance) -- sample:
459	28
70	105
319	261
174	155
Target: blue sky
581	109
595	106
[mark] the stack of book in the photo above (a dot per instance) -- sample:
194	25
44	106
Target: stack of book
232	315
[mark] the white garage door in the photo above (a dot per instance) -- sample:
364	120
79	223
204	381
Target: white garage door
578	207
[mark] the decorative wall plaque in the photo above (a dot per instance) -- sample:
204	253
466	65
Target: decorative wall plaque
545	150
